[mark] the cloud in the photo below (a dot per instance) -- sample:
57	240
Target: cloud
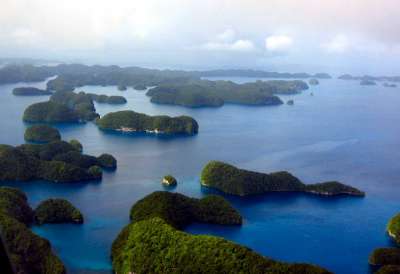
227	36
200	32
339	44
239	45
226	41
278	43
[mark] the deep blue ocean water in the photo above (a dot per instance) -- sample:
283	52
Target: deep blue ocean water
344	132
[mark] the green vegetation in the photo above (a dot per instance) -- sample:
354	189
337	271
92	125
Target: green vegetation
179	210
114	100
107	161
76	158
389	269
130	121
76	144
388	258
153	246
205	93
23	73
56	161
385	256
42	133
393	228
57	211
96	172
313	81
27	252
152	243
68	106
169	180
30	91
232	180
50	112
14	203
81	103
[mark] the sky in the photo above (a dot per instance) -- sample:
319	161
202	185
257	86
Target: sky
337	36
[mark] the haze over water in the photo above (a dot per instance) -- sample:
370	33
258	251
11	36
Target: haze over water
345	132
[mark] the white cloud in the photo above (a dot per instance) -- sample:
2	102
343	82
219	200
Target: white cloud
227	36
226	41
338	44
278	43
239	45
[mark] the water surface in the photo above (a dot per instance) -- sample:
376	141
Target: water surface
344	132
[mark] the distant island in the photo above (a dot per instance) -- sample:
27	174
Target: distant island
389	85
370	78
71	76
154	236
232	180
205	93
130	121
366	82
113	100
313	81
27	252
260	74
30	91
174	87
56	161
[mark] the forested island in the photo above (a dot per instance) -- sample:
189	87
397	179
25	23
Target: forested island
157	245
185	88
130	121
30	91
169	180
389	85
179	210
113	100
27	252
370	78
232	180
68	107
56	211
366	82
56	161
205	93
42	134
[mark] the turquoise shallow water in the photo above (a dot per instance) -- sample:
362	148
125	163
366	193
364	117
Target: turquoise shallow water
344	132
